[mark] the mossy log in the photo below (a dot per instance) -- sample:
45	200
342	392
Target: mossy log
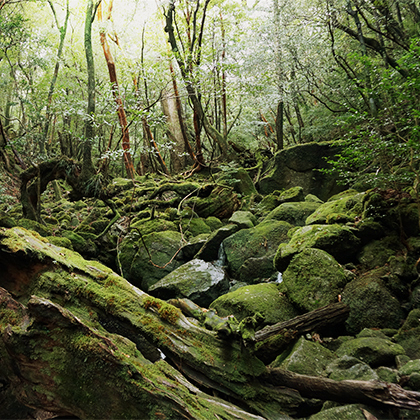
77	339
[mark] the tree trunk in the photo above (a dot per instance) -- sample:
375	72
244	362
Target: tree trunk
122	118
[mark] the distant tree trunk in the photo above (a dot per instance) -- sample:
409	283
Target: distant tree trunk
88	170
279	125
63	31
128	161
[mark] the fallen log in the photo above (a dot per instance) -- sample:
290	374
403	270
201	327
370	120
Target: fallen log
346	391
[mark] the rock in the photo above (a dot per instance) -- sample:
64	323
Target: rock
387	374
371	350
135	261
248	300
293	213
409	335
345	206
313	279
372	305
194	227
190	249
306	357
344	412
197	280
298	166
257	270
377	252
244	219
210	249
214	223
222	202
155	225
258	241
239	180
311	198
337	240
350	368
86	247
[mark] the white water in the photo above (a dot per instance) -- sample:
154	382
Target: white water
279	278
221	257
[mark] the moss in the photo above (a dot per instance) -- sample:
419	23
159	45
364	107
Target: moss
166	311
194	227
37	227
60	241
155	225
213	222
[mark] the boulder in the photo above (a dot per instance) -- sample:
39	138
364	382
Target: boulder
372	305
198	280
257	270
255	242
147	226
374	351
293	213
248	300
298	166
350	368
244	219
313	279
344	207
134	257
345	412
337	240
306	357
192	227
239	180
409	334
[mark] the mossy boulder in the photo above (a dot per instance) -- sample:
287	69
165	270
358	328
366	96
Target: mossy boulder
337	240
35	226
6	221
350	368
313	279
60	241
222	202
211	248
409	334
244	219
85	247
344	412
214	223
198	280
374	351
305	357
194	227
258	241
346	206
147	226
293	213
239	180
257	270
135	262
411	373
371	304
248	300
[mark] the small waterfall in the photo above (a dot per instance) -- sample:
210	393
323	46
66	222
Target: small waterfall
279	278
221	257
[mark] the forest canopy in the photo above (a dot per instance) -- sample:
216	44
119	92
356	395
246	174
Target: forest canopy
131	87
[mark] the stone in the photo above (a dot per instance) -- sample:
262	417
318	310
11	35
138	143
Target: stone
257	270
194	227
248	300
306	358
371	350
198	280
372	305
239	180
337	240
293	213
134	258
409	335
348	204
244	219
313	279
343	412
255	242
350	368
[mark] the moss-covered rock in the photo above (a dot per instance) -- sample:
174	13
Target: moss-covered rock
294	213
350	368
60	241
194	227
374	351
197	280
244	219
222	202
248	300
258	241
147	226
409	334
85	247
6	221
337	240
239	180
305	357
313	279
135	262
35	226
348	205
372	305
376	253
343	412
257	270
214	223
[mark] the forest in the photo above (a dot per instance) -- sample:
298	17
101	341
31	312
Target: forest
210	209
